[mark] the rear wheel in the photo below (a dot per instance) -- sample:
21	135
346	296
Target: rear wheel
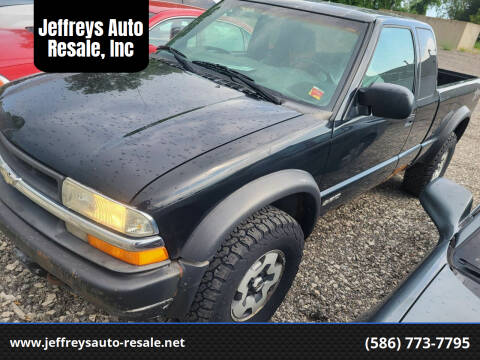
252	271
419	175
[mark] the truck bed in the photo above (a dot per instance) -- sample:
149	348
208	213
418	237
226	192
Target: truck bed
455	89
448	77
451	84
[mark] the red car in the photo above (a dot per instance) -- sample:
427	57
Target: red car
166	19
17	60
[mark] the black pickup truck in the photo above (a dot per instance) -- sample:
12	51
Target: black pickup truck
188	189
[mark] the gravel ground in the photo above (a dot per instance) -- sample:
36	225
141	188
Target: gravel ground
355	257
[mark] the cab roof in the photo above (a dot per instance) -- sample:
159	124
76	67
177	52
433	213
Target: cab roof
342	10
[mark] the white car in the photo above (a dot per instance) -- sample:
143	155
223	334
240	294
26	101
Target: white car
16	14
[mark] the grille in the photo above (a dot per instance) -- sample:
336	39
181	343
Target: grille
33	172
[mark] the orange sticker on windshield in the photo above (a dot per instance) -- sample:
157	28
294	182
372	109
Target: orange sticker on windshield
316	93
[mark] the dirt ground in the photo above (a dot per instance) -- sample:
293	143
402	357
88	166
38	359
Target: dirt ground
355	257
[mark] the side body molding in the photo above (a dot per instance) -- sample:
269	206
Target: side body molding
207	237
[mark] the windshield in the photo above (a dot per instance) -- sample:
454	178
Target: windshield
300	55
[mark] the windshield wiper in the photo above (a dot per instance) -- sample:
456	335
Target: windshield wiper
245	79
179	56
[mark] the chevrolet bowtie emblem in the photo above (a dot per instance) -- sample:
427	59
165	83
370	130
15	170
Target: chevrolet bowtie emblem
8	175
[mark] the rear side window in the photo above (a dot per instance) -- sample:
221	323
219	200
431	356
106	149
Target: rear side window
428	63
393	60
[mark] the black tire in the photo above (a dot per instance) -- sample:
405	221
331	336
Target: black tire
420	174
270	229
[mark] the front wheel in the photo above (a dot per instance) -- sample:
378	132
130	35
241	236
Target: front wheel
252	271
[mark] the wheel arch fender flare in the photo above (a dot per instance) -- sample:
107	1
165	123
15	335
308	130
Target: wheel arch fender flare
207	237
447	126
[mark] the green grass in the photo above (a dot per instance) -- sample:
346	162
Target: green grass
462	50
446	47
477	45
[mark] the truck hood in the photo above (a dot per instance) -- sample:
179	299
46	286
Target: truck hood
118	132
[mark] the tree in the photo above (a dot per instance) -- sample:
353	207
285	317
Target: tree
463	10
421	6
476	17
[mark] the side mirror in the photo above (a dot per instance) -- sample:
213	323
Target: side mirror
386	100
447	204
174	31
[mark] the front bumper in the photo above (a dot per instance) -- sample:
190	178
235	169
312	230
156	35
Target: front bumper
131	294
33	217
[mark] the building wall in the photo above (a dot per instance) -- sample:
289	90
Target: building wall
452	34
470	36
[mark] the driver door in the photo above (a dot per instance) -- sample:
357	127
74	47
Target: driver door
365	147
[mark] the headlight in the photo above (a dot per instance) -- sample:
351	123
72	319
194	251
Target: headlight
3	80
105	211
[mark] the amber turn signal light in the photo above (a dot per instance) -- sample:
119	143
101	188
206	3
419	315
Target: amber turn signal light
143	257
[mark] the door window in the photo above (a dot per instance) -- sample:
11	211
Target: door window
394	59
428	63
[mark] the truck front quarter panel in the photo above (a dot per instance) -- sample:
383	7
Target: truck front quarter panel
182	198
